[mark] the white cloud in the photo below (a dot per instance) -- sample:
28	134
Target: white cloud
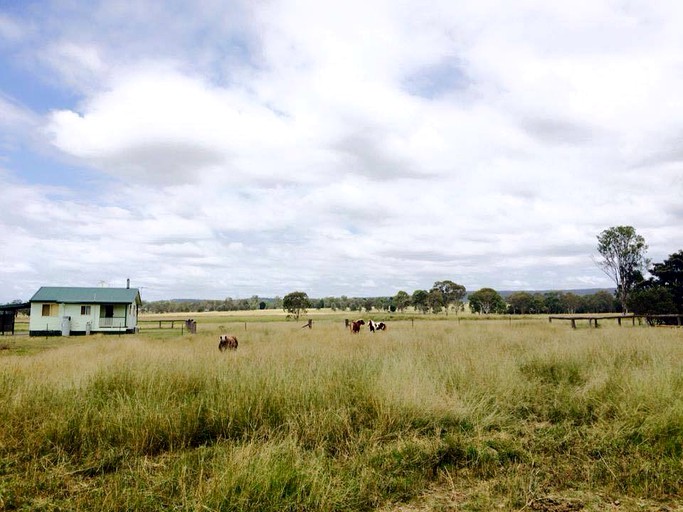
300	145
159	126
79	65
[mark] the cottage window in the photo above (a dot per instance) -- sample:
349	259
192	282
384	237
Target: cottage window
50	310
85	310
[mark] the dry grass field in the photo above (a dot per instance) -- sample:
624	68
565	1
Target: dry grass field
469	414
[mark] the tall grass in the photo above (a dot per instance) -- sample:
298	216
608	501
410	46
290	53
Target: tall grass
494	413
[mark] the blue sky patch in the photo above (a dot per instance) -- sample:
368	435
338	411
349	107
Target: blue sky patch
447	77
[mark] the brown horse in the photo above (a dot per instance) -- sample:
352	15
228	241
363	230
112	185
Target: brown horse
227	341
355	326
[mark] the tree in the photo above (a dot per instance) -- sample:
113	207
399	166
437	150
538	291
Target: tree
296	303
651	300
571	302
553	302
382	303
402	300
435	300
599	302
521	302
332	303
538	303
486	301
669	274
452	294
419	300
355	304
623	259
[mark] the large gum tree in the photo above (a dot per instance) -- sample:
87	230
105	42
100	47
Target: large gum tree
296	303
452	294
622	253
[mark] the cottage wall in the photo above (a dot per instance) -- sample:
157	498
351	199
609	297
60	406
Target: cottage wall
38	322
79	321
132	316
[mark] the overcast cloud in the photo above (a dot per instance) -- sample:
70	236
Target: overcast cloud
212	149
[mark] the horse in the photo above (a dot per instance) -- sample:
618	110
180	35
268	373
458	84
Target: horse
355	326
376	326
227	341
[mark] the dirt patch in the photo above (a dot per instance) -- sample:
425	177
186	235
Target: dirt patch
555	505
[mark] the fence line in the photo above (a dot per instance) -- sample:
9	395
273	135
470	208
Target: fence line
189	325
593	319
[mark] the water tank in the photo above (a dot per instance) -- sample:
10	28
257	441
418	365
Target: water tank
66	325
88	328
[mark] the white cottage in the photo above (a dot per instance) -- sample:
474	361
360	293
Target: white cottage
68	310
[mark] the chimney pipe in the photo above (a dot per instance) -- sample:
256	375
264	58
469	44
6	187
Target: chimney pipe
128	284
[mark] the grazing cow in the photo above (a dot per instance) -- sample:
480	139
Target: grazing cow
227	341
355	326
376	326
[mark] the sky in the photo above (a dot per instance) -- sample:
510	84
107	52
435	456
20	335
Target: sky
212	148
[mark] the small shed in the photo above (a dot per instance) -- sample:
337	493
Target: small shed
64	311
8	313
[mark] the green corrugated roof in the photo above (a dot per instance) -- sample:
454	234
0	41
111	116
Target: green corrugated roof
72	295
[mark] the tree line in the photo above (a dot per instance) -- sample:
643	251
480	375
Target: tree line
445	297
483	301
194	306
